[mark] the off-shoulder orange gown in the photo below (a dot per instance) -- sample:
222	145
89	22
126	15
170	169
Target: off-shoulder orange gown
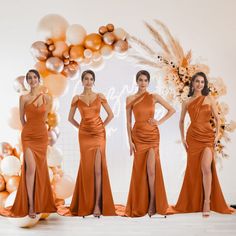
145	136
200	135
92	137
34	136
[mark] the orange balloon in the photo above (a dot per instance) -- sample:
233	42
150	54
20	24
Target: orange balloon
71	70
5	149
93	41
2	183
60	48
13	183
56	84
3	198
121	46
44	216
42	69
53	119
77	52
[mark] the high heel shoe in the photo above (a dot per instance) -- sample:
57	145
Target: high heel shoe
206	213
150	213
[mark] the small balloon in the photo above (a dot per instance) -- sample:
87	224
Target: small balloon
2	183
55	64
56	130
5	149
52	137
75	34
109	38
53	119
121	46
110	27
93	42
102	30
120	34
88	53
3	198
72	70
39	50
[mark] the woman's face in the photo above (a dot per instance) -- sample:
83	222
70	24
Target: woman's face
198	84
142	82
88	81
32	80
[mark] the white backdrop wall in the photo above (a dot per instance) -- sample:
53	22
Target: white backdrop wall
207	27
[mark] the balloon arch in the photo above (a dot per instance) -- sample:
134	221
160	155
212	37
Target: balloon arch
59	59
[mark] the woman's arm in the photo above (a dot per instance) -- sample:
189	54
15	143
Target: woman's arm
108	110
167	106
181	124
22	110
71	115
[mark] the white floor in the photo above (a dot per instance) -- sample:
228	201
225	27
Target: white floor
184	224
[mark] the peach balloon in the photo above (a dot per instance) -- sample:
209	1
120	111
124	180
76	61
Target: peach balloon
121	46
93	41
60	48
52	137
56	84
120	34
2	183
110	27
77	52
42	69
55	64
19	84
106	51
75	34
96	56
39	50
14	121
64	187
13	183
3	198
102	30
88	53
10	165
53	26
109	38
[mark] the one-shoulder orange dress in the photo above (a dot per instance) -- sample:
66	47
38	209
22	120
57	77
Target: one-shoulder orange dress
92	137
34	136
200	135
145	136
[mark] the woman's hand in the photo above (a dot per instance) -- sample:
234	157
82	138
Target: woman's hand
132	148
185	144
153	121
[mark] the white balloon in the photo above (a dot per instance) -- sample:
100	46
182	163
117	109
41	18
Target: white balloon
54	156
75	34
10	165
52	26
22	222
120	33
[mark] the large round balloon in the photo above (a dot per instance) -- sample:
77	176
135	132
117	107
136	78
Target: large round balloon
54	156
13	183
93	41
77	52
14	121
75	34
64	187
39	51
10	165
56	84
55	64
53	26
22	222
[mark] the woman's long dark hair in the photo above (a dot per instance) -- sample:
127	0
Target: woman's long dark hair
205	90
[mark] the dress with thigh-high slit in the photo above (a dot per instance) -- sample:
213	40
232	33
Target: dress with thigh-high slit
200	135
145	137
92	139
34	138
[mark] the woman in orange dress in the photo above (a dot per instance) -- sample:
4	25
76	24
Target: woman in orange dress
34	194
201	190
147	191
92	194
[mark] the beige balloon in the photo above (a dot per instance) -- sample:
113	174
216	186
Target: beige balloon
96	56
75	34
109	38
55	64
56	84
88	53
106	51
120	34
60	48
39	50
53	26
121	46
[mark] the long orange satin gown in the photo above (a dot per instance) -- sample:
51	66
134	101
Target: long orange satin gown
34	136
200	135
145	136
92	137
